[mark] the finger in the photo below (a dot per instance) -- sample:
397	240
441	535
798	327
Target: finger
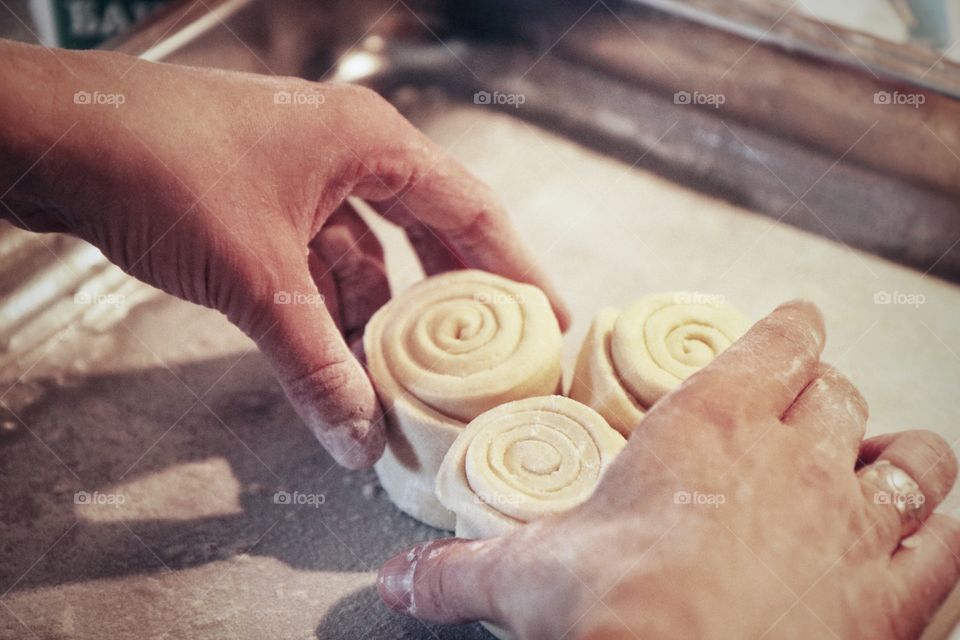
832	412
925	569
927	460
762	373
441	194
325	383
436	256
355	262
466	218
323	277
446	581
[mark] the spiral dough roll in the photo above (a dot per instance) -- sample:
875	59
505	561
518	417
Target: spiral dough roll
630	360
524	460
442	353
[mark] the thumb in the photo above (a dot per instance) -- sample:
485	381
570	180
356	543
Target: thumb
323	380
449	580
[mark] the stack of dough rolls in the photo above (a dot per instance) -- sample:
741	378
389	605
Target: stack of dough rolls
521	461
524	460
631	359
450	348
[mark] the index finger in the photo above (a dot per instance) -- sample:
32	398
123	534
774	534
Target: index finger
465	215
416	184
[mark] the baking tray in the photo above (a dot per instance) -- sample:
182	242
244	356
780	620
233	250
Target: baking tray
787	189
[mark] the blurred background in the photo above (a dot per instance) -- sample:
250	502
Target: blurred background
761	150
85	23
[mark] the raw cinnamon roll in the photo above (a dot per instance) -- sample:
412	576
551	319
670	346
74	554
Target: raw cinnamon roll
524	460
630	360
442	353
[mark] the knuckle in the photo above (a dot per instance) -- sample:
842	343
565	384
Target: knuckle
332	401
248	299
433	580
327	380
844	388
475	230
787	332
397	168
391	168
441	599
704	396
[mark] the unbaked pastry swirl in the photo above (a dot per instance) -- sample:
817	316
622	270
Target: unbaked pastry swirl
442	353
524	460
631	359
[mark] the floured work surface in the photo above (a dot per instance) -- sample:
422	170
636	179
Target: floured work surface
173	427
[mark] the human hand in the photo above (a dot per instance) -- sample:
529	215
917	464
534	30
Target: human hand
228	190
746	505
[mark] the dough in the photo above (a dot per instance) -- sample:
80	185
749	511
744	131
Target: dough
442	353
524	460
630	360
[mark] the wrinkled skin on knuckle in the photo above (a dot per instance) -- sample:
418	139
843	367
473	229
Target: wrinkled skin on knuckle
475	232
391	172
843	388
803	345
332	399
329	380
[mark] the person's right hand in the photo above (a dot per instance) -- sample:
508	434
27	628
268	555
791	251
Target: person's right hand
228	190
744	506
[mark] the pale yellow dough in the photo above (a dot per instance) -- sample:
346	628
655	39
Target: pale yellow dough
442	353
524	460
631	359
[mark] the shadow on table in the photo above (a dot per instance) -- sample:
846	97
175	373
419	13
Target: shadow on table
350	618
96	432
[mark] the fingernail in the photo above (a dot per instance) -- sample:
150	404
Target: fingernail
395	579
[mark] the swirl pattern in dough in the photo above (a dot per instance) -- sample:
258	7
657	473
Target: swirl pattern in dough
522	461
442	353
630	360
